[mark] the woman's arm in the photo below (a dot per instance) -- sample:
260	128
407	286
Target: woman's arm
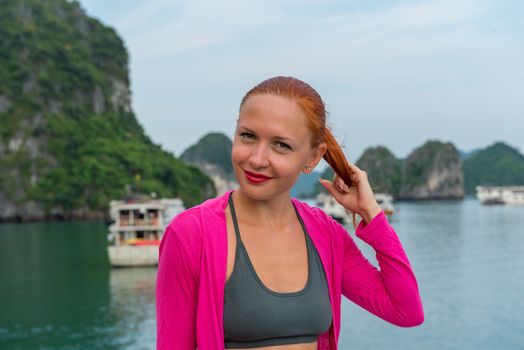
390	293
176	295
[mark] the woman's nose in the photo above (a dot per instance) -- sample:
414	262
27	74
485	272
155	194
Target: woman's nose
259	157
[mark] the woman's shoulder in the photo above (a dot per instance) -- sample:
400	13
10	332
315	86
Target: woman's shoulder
185	219
183	231
189	224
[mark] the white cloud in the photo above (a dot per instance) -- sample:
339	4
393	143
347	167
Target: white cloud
298	43
193	25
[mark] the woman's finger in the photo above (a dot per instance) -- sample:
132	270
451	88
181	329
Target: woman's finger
330	186
341	185
354	168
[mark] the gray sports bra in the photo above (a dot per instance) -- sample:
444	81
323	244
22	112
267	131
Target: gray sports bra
256	316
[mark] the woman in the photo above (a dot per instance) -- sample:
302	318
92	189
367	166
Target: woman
255	268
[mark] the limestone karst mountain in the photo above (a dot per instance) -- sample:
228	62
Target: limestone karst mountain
432	171
69	140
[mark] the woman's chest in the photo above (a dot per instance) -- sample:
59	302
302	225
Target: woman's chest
279	259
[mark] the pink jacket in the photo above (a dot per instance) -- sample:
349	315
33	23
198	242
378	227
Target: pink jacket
192	273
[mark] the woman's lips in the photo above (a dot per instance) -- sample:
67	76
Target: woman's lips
256	178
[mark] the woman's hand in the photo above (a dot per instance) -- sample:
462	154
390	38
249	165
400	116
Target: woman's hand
358	198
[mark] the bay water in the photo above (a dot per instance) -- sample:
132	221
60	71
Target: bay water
57	290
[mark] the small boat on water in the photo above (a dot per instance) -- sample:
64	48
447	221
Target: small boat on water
385	201
511	195
331	207
138	224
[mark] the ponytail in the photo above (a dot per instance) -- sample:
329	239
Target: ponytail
338	162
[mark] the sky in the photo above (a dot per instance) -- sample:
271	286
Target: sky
392	73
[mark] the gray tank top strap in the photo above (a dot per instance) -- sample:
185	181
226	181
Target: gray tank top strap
234	216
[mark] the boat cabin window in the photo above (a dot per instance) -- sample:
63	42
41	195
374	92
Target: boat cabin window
138	218
124	217
152	215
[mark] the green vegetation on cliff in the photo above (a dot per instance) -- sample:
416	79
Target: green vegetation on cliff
497	165
69	139
383	169
97	158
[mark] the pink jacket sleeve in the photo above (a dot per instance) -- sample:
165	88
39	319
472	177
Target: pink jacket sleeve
390	293
176	293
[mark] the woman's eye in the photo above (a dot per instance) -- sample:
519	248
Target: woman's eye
247	136
283	145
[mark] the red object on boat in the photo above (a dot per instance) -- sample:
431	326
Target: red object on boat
144	242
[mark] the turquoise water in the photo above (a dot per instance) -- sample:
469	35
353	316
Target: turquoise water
58	292
469	262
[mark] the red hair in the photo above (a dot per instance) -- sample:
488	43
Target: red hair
314	108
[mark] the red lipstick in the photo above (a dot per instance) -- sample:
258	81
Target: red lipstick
256	178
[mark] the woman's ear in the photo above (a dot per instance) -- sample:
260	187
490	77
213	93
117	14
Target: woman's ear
318	153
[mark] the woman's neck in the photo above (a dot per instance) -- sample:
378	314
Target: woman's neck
274	213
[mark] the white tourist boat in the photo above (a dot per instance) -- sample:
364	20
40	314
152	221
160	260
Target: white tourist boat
138	224
511	195
331	207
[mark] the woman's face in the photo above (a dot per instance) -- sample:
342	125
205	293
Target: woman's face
271	140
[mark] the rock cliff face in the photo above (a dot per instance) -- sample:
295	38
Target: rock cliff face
212	155
69	141
384	170
432	171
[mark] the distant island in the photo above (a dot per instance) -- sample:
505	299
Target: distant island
437	170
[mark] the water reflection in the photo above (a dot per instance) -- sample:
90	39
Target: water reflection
57	291
132	306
